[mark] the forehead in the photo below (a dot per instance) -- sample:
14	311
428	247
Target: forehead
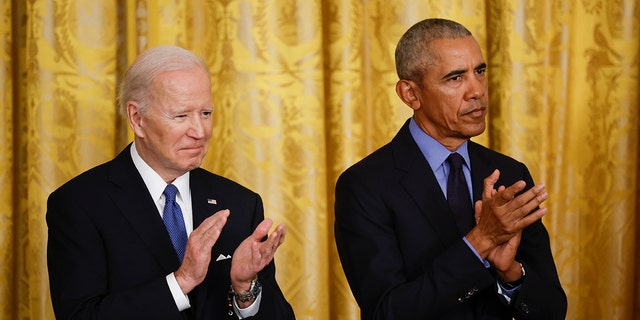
458	53
182	83
176	78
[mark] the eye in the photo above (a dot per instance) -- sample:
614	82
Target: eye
481	71
206	114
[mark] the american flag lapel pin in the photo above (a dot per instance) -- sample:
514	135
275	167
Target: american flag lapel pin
212	201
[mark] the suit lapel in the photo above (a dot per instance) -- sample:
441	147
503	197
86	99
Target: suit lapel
204	199
142	214
421	185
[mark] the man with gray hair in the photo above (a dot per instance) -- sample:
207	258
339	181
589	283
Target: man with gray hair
433	225
150	234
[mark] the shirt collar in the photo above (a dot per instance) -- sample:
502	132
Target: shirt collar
434	151
155	184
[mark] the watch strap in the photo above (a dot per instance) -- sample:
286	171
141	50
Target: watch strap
254	291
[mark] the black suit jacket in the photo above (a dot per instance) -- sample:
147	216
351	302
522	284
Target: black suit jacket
109	252
401	251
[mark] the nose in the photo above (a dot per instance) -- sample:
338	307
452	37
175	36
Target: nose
477	88
197	128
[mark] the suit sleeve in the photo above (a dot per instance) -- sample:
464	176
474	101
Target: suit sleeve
541	295
78	271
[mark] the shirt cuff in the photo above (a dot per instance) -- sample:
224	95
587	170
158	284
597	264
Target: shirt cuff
249	311
484	261
506	293
182	300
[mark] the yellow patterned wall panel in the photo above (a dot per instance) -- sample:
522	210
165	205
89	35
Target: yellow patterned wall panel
69	112
302	90
7	214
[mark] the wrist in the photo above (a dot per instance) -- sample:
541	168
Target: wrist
246	294
242	286
186	284
512	282
482	245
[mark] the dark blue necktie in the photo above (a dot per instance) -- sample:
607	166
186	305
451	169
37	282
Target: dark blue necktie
458	194
173	220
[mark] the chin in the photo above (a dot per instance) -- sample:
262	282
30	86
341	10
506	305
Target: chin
194	165
191	164
476	131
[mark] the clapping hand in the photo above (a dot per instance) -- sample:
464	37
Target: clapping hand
253	254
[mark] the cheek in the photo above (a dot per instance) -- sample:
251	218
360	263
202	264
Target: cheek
447	103
170	137
450	109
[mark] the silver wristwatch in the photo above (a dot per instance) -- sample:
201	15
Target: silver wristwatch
253	292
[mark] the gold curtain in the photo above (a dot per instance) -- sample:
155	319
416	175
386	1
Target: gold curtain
305	88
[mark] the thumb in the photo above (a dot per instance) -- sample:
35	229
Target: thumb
478	210
489	183
262	229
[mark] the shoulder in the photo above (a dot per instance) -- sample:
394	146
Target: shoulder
373	162
95	179
483	152
89	178
486	160
396	158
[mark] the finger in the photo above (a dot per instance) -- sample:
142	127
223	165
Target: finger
507	194
281	232
489	182
269	247
220	216
273	242
527	207
261	230
528	200
531	218
216	221
212	234
200	242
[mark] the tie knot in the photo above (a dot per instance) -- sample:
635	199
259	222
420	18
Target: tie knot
170	192
455	161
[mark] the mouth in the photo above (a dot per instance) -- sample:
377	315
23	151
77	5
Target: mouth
477	112
192	148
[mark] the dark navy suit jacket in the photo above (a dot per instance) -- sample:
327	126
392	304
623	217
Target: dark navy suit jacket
401	251
109	252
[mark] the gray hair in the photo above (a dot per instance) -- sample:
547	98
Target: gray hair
413	52
136	84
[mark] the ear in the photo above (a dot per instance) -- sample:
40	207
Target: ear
135	118
406	90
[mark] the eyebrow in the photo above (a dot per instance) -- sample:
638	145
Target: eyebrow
461	71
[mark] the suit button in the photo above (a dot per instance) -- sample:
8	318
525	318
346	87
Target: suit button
524	307
471	293
461	299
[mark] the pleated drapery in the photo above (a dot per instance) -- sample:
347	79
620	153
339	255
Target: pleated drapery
303	89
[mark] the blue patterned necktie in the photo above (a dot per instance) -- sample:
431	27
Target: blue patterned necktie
458	194
173	220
